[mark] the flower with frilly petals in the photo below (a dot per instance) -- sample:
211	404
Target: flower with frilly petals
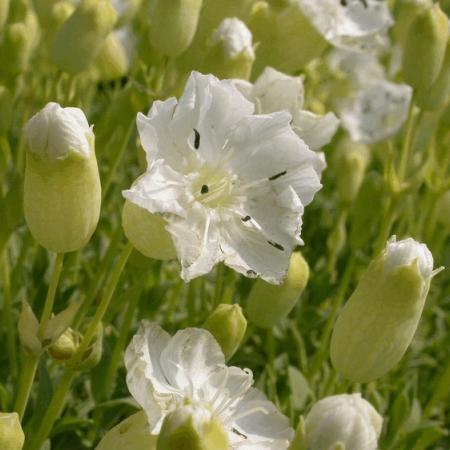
167	372
231	185
275	91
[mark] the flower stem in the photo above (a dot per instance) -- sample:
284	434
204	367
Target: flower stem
407	143
28	372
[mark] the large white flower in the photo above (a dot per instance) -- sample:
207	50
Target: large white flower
355	24
231	185
275	91
166	372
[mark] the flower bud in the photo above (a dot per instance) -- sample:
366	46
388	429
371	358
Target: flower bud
62	192
377	324
112	60
227	324
192	428
132	433
437	95
65	346
425	45
350	160
267	304
147	232
443	210
173	24
6	109
230	54
4	11
405	13
49	12
346	420
11	433
287	39
82	36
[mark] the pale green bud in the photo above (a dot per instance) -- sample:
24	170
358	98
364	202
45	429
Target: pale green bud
267	304
437	95
147	232
131	434
443	210
53	13
192	428
82	36
112	60
227	324
286	39
377	324
4	11
173	24
350	160
65	346
230	53
62	192
6	109
424	48
344	421
11	433
405	13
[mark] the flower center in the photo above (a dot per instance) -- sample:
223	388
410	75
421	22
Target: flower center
213	187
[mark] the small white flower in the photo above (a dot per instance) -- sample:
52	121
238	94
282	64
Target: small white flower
346	419
166	372
236	38
275	91
231	185
354	24
405	252
375	112
55	131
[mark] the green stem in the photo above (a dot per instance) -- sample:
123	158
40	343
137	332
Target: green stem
28	372
407	141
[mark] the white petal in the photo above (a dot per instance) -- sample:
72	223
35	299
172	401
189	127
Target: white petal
160	190
189	360
376	112
145	378
265	426
316	131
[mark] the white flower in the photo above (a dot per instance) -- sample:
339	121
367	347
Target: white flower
346	419
375	112
166	372
54	132
405	252
236	38
231	185
355	24
275	91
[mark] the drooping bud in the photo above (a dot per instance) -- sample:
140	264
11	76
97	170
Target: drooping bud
377	324
173	25
62	192
4	11
82	36
346	420
227	324
192	428
350	160
147	232
112	60
231	54
65	346
132	433
424	48
437	95
11	433
287	39
267	304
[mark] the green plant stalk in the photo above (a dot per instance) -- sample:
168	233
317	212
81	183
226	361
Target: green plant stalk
407	143
56	405
7	316
31	361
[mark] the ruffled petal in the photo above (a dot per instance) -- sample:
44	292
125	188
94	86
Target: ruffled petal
315	130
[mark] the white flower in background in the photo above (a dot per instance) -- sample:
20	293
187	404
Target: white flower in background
347	419
55	131
231	185
236	37
354	24
275	91
167	372
375	112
